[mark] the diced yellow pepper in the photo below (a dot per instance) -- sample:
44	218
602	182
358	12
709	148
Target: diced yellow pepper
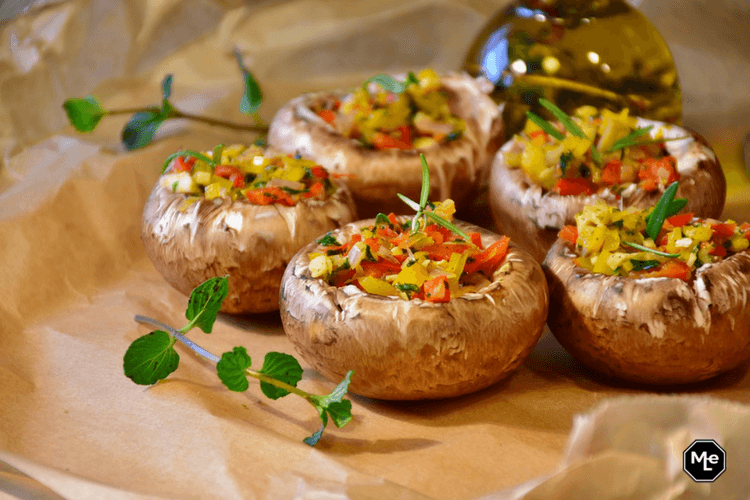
416	274
739	243
213	190
377	286
577	145
202	178
532	160
446	209
428	79
321	266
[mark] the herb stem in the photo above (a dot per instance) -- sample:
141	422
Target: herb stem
179	336
176	113
278	383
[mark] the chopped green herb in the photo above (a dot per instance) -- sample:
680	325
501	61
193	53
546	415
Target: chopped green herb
565	160
642	265
653	251
328	240
406	287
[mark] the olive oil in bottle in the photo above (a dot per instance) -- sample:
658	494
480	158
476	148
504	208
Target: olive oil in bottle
575	52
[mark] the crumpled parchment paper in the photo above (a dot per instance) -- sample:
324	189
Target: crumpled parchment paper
74	274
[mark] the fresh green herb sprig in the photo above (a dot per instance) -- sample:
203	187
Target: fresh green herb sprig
152	357
666	207
390	84
652	250
570	125
86	113
421	207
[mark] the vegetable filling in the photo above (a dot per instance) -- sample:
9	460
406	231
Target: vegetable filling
388	114
592	151
242	172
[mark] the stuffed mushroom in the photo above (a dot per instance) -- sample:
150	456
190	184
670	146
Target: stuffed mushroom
373	136
546	174
416	314
242	212
649	304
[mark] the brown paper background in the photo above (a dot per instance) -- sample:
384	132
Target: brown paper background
73	274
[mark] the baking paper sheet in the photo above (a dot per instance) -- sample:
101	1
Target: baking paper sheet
74	274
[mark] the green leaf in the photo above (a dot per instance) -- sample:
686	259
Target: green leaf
231	369
567	122
218	150
675	206
381	218
151	358
545	125
340	412
140	130
282	367
411	78
425	193
653	251
84	114
565	158
205	302
166	87
252	97
596	155
657	217
412	204
328	240
332	404
629	139
388	83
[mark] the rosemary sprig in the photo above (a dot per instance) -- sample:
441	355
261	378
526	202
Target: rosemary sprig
652	250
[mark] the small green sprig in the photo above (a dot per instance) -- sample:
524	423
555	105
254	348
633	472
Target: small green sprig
390	84
86	113
651	250
152	357
421	207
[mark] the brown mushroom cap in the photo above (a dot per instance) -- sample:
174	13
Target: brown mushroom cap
651	330
457	168
408	350
532	217
250	243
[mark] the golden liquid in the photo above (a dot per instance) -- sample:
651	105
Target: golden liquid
576	52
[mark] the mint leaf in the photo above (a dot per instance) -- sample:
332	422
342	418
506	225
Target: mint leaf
205	302
333	406
231	369
140	130
150	358
282	367
340	412
411	78
166	87
388	83
252	97
84	114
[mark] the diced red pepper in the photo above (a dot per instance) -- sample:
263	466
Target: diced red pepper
232	173
488	259
671	269
655	172
373	244
380	268
319	172
745	228
386	232
437	290
476	239
572	187
723	230
269	196
538	133
181	164
611	174
405	131
569	234
679	220
327	115
384	141
443	252
315	191
392	218
339	279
